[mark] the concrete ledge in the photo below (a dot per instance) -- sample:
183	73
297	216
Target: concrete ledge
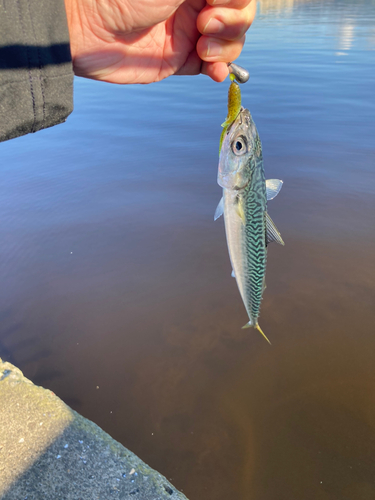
50	452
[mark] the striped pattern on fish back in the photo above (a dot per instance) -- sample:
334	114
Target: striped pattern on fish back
255	206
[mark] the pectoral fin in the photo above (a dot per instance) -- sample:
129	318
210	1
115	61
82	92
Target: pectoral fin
272	233
273	187
219	209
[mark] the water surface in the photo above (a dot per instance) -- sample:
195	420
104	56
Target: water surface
116	290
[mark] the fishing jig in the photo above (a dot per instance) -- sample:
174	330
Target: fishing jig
240	74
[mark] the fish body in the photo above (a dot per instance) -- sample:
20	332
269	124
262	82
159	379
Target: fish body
248	227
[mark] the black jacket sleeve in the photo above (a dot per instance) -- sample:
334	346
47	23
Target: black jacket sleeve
36	76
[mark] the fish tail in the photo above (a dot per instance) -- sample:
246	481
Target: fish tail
257	327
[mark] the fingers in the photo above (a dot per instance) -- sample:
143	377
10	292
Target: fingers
218	50
234	4
218	71
223	24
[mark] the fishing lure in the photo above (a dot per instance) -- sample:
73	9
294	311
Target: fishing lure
234	107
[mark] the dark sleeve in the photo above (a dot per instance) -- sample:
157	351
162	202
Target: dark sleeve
36	76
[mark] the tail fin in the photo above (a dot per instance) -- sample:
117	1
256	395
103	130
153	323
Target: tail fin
257	327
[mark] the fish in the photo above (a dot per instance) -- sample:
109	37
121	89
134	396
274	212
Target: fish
249	228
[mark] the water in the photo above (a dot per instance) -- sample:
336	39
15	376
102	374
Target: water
114	274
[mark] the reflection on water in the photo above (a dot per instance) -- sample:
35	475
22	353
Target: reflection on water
284	6
346	37
114	274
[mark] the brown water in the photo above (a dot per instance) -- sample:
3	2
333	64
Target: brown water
115	276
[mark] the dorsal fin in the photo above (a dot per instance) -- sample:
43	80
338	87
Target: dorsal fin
272	233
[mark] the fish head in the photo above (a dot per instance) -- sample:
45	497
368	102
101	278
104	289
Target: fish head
240	152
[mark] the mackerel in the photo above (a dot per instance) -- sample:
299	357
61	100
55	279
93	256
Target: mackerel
249	229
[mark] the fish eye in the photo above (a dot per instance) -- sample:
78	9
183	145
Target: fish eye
239	146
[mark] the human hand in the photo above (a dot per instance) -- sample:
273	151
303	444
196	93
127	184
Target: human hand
144	41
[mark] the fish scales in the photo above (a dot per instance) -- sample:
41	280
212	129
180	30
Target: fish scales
255	230
246	241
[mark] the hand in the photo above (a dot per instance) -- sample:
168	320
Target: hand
144	41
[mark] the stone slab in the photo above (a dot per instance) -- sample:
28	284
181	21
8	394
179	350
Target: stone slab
50	452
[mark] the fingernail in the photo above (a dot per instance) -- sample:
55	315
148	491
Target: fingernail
214	49
213	26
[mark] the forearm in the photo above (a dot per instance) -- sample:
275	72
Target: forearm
36	76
